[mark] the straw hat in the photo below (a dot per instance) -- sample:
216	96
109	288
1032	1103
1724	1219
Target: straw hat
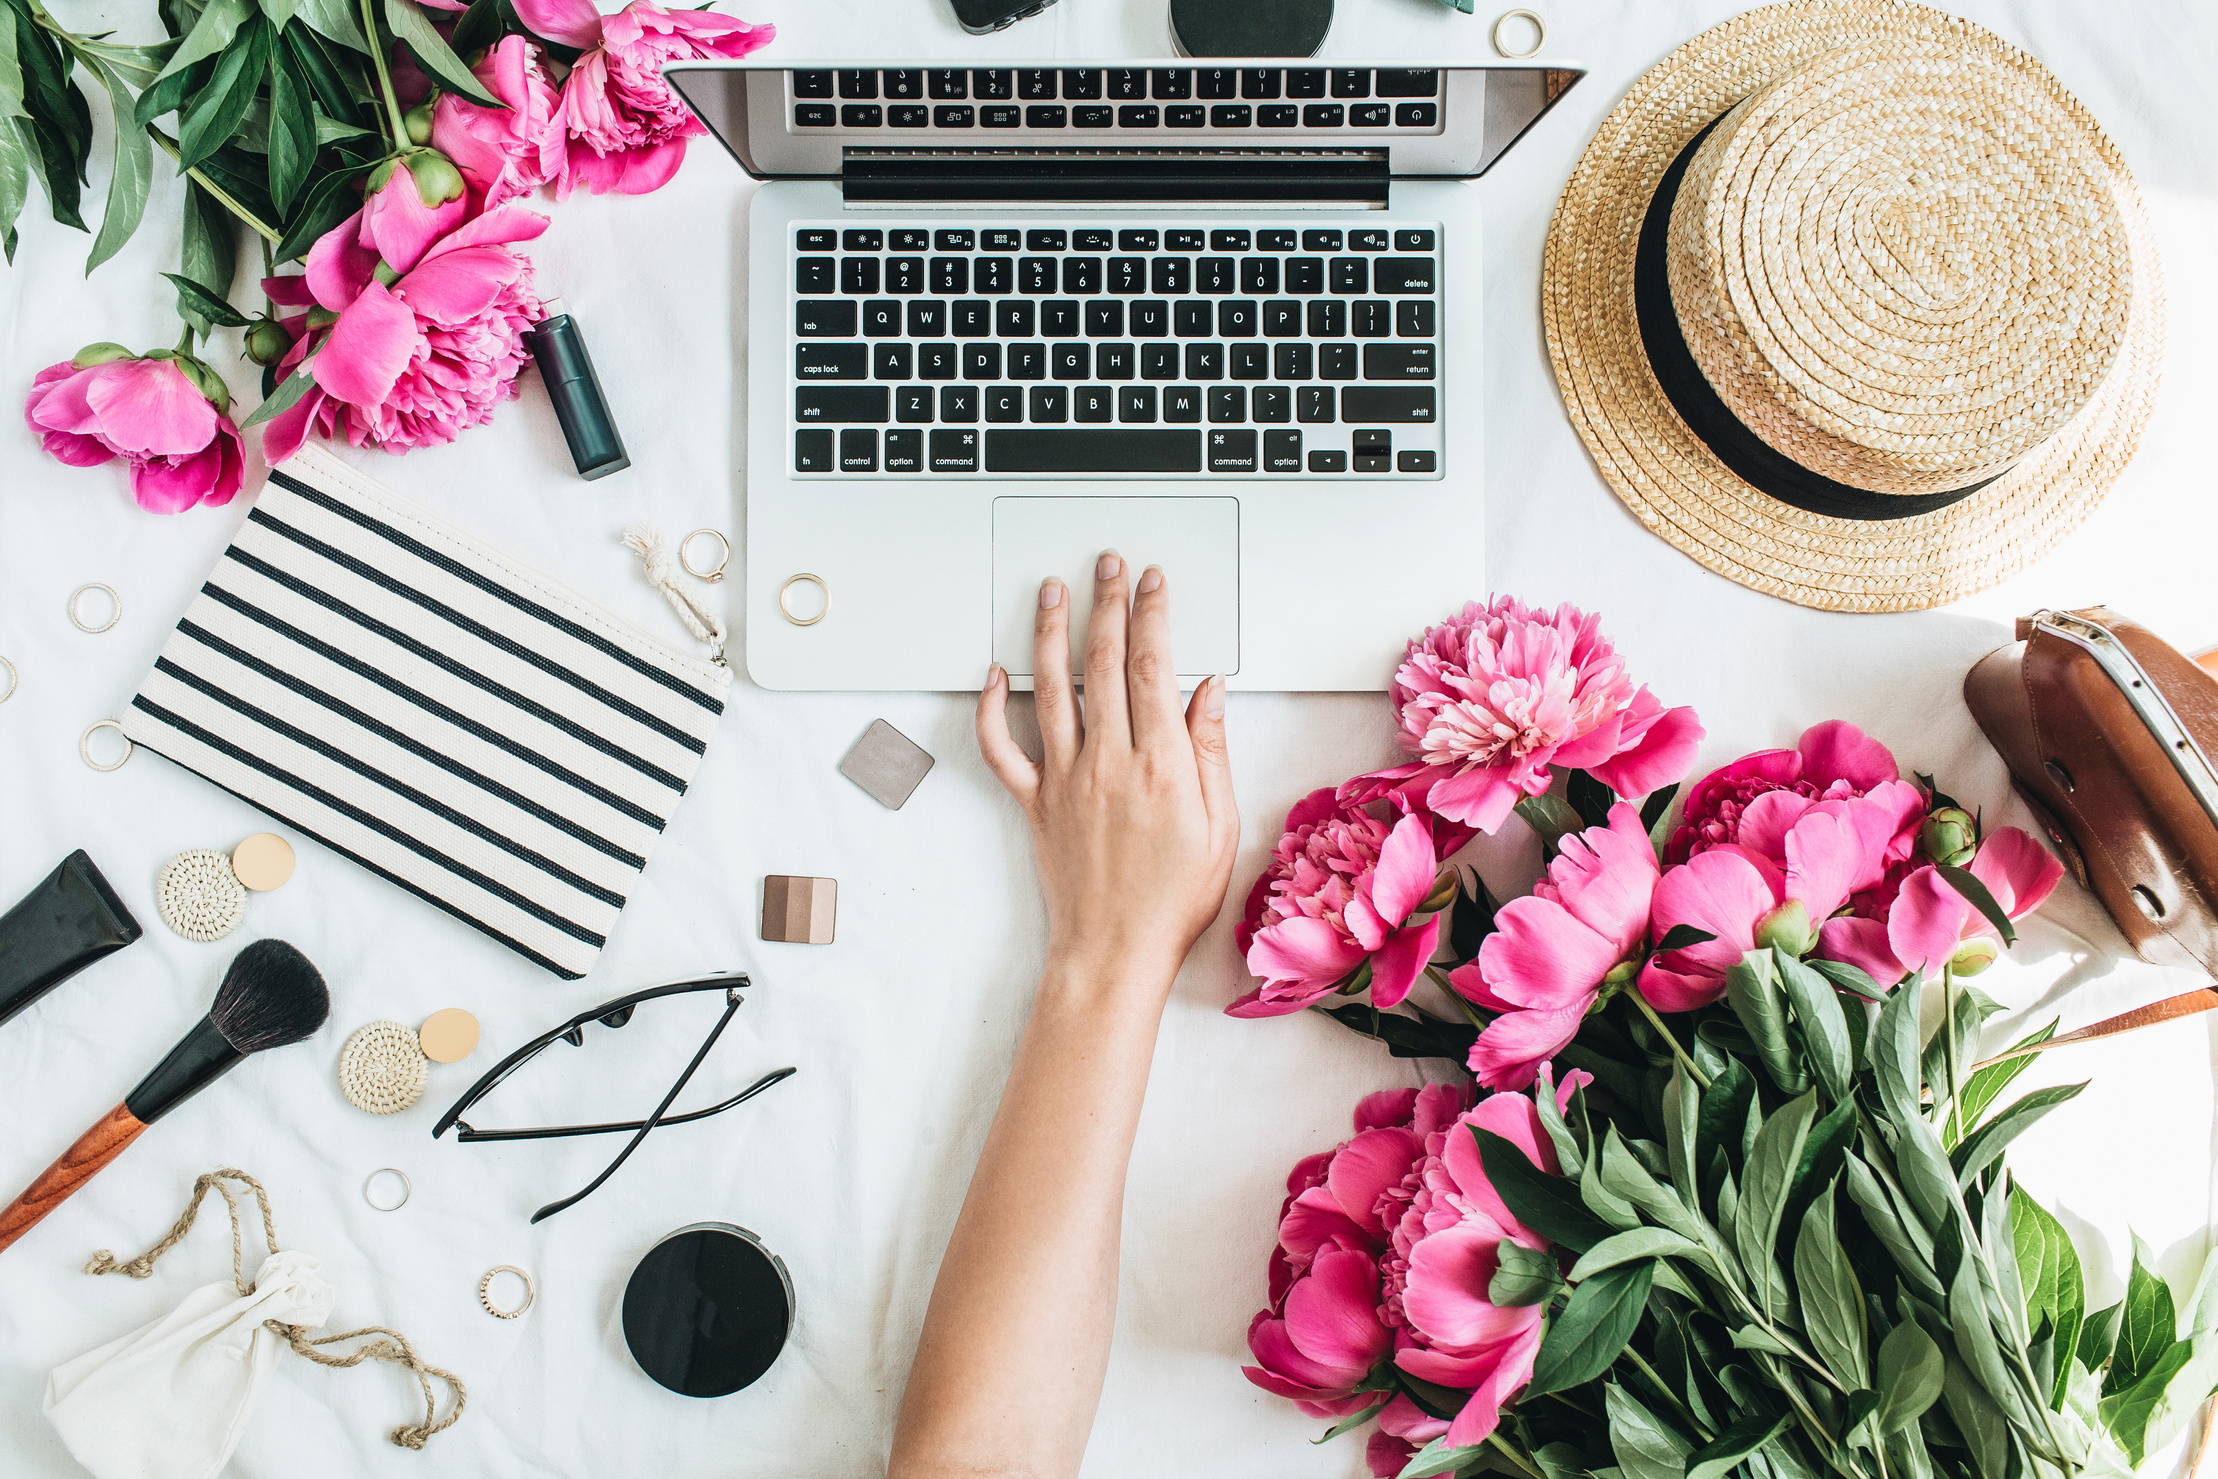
1853	303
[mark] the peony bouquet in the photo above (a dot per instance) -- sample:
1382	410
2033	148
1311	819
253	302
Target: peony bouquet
1702	1198
383	143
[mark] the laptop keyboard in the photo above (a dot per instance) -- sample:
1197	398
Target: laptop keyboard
962	101
938	349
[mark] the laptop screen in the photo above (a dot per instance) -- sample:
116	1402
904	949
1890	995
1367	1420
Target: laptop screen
1144	129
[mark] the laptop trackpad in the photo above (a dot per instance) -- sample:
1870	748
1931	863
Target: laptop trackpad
1195	540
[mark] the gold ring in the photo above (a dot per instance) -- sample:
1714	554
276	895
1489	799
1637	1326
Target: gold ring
485	1296
14	678
84	744
78	595
1540	34
715	572
371	1180
787	611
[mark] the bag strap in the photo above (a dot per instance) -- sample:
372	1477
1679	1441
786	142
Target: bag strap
2187	1004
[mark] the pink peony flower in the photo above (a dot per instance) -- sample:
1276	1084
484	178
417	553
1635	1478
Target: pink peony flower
627	129
1340	890
1833	761
1403	1429
1796	861
153	412
1488	700
430	312
504	152
1445	1225
1322	1333
1930	923
1585	923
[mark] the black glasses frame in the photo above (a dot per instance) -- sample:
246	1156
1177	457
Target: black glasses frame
611	1014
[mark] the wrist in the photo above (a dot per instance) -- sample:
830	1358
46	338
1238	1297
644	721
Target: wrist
1085	972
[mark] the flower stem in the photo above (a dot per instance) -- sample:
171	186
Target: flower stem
384	77
1514	1456
1463	1004
269	234
1669	1395
1678	1052
1948	1047
185	341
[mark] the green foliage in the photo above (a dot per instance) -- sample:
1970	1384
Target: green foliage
1590	1333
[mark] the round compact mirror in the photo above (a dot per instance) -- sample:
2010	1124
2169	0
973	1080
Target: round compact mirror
708	1309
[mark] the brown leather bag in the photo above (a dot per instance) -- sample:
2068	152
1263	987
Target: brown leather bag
2108	733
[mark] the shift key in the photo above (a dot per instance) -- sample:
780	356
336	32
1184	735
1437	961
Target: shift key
825	403
1397	361
1367	405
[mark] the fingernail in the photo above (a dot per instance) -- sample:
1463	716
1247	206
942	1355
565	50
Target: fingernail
1150	579
1213	702
1109	565
996	676
1051	593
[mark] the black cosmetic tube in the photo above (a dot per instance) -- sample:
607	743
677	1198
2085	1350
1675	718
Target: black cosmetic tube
57	929
558	347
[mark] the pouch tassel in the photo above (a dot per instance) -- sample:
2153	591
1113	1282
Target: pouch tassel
661	567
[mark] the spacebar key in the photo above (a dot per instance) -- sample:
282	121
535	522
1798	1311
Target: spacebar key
1086	450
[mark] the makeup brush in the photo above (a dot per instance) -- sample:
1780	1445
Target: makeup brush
270	996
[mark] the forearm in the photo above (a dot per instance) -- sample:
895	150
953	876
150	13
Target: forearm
1009	1367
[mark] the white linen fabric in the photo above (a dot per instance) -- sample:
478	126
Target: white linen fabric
852	1171
171	1400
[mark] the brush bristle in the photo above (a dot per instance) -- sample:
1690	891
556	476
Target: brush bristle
271	996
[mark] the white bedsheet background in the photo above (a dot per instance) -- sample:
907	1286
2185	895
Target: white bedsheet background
902	1029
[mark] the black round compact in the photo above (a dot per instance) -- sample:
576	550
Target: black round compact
1250	27
708	1309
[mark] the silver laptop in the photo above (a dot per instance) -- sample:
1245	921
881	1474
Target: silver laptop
1223	319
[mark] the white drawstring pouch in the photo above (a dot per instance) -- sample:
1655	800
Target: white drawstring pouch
171	1400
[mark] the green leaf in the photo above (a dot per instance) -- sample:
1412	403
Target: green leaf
1600	1199
133	174
1646	1447
15	177
1471	919
215	114
293	131
1625	1176
1437	1458
1558	1130
289	391
209	35
1853	979
1523	1276
210	252
1561	1461
191	294
1682	1110
1970	1323
2049	1273
1755	1338
1405	1036
1724	1110
479	28
1975	892
338	20
1754	995
1822	1155
1832	1302
1985	1086
1652	810
1347	1424
56	127
2201	1315
1910	1375
331	200
11	73
333	97
1817	1012
2098	1337
137	65
2145	1329
1681	937
1550	816
1591	1332
1894	1052
279	11
1549	1205
1984	1428
1724	1453
1641	1242
1771	1164
1986	1143
1589	798
2161	1403
408	23
1908	1245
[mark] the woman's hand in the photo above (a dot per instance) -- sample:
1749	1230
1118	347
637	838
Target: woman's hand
1131	807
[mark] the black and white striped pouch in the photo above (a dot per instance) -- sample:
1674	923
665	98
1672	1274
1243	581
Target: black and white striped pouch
455	722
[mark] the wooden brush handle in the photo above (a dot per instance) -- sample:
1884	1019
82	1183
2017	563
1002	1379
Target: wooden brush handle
76	1166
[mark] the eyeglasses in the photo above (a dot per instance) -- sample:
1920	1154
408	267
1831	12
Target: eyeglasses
611	1014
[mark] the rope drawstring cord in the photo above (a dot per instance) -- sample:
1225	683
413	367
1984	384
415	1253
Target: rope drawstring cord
661	566
396	1348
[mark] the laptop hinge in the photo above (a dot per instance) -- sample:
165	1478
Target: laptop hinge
1342	177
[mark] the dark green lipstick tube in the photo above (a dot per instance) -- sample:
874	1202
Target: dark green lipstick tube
558	347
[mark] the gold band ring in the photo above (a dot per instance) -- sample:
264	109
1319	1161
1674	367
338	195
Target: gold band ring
78	595
485	1294
787	611
715	572
84	744
1540	34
